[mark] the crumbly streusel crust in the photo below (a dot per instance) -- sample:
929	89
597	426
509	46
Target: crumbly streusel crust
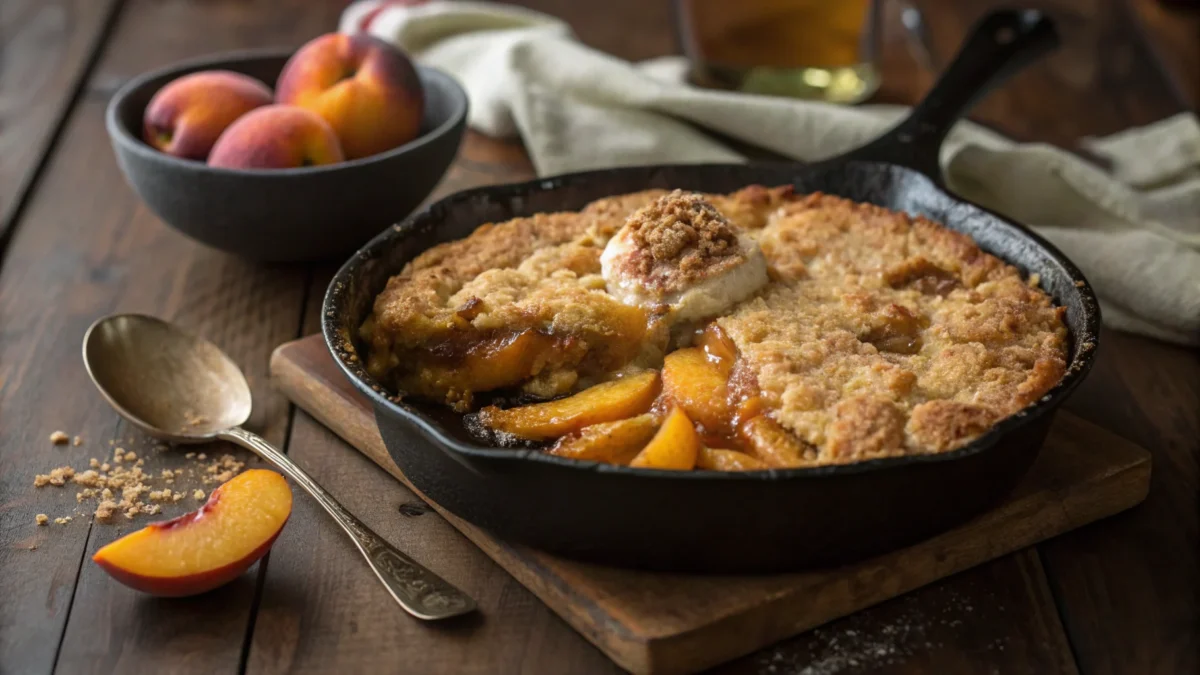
884	334
879	334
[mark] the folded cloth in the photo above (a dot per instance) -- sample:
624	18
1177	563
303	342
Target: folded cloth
1134	229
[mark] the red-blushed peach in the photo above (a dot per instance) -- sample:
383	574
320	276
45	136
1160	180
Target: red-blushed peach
186	117
206	548
365	88
276	137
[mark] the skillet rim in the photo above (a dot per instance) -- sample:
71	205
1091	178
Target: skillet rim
333	310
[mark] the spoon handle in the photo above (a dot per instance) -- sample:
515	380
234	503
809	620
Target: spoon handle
420	592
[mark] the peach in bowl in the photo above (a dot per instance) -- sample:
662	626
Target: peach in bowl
275	182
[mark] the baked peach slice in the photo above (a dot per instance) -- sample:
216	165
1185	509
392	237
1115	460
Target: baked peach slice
719	459
206	548
609	442
606	402
720	349
675	446
767	441
699	385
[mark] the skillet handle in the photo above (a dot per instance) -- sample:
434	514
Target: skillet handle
1002	43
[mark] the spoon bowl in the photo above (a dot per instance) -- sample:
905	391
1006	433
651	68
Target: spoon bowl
170	384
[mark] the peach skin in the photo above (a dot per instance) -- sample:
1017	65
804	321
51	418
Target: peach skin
276	137
206	548
365	88
186	117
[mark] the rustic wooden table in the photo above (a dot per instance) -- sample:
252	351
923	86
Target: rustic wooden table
1119	596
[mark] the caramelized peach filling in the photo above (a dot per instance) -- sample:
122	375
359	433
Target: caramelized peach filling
702	411
455	371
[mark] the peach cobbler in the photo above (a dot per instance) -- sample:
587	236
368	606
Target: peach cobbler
752	330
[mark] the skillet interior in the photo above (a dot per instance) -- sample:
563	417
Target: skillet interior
705	521
354	289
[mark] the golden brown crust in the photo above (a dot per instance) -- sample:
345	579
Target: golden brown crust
872	305
880	333
942	425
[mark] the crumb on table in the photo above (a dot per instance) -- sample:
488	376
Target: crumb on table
41	519
59	438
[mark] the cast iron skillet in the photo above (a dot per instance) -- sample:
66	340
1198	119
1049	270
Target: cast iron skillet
731	522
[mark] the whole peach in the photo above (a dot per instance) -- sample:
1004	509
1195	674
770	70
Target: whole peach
276	137
365	88
186	117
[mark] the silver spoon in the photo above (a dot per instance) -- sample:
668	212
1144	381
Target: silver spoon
183	389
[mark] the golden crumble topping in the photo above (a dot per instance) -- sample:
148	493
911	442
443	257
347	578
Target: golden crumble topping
885	334
878	334
684	232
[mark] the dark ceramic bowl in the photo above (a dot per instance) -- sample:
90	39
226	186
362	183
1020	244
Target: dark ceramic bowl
285	214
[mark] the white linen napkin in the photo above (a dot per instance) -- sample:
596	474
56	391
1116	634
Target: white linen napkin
1134	229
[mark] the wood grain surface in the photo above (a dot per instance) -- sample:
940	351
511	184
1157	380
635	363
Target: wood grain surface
1115	597
669	623
46	50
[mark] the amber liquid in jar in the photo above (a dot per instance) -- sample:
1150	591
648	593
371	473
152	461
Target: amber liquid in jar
816	49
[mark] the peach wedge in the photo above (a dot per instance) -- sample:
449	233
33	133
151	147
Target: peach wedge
698	385
716	459
605	402
675	446
206	548
767	441
609	442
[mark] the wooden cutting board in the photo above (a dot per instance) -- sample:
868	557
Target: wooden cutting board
667	623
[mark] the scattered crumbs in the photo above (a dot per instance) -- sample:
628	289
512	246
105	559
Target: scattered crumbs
160	495
111	441
223	469
862	643
123	486
90	478
59	438
57	477
41	519
33	547
105	509
77	441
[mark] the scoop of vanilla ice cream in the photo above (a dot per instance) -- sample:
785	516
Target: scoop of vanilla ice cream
680	252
